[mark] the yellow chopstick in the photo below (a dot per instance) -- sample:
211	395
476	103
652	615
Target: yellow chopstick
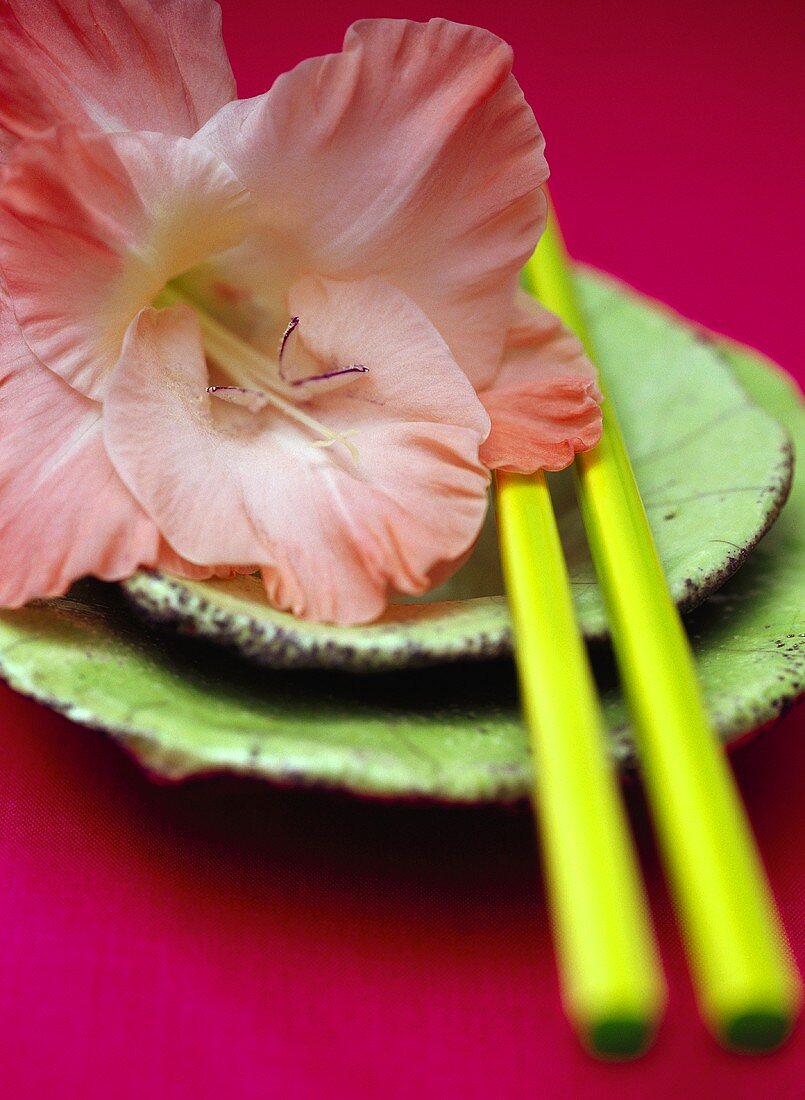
747	986
612	986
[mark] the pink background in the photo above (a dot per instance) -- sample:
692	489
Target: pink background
225	940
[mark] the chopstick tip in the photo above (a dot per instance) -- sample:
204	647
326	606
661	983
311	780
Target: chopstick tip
619	1038
756	1032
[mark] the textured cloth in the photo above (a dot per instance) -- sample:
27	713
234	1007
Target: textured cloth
226	941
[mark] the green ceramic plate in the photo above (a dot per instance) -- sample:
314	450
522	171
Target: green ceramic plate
452	732
712	466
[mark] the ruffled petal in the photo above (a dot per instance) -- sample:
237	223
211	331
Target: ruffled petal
332	535
111	65
64	512
91	228
412	155
544	401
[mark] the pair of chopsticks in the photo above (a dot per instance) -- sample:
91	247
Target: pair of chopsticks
613	990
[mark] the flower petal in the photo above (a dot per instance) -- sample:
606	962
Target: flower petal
112	65
332	536
412	155
64	512
91	228
544	402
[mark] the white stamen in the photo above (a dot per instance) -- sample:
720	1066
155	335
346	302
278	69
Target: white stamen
252	400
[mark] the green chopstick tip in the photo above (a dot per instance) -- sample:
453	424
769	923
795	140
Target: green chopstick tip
756	1031
619	1037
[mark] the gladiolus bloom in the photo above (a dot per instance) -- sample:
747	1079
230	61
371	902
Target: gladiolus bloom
279	334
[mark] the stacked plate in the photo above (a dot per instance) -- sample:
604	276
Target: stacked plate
200	677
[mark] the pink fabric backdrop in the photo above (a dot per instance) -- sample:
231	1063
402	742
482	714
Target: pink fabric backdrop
225	940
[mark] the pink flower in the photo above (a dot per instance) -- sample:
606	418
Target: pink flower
161	240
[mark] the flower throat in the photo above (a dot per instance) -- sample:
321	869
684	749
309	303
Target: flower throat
257	380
